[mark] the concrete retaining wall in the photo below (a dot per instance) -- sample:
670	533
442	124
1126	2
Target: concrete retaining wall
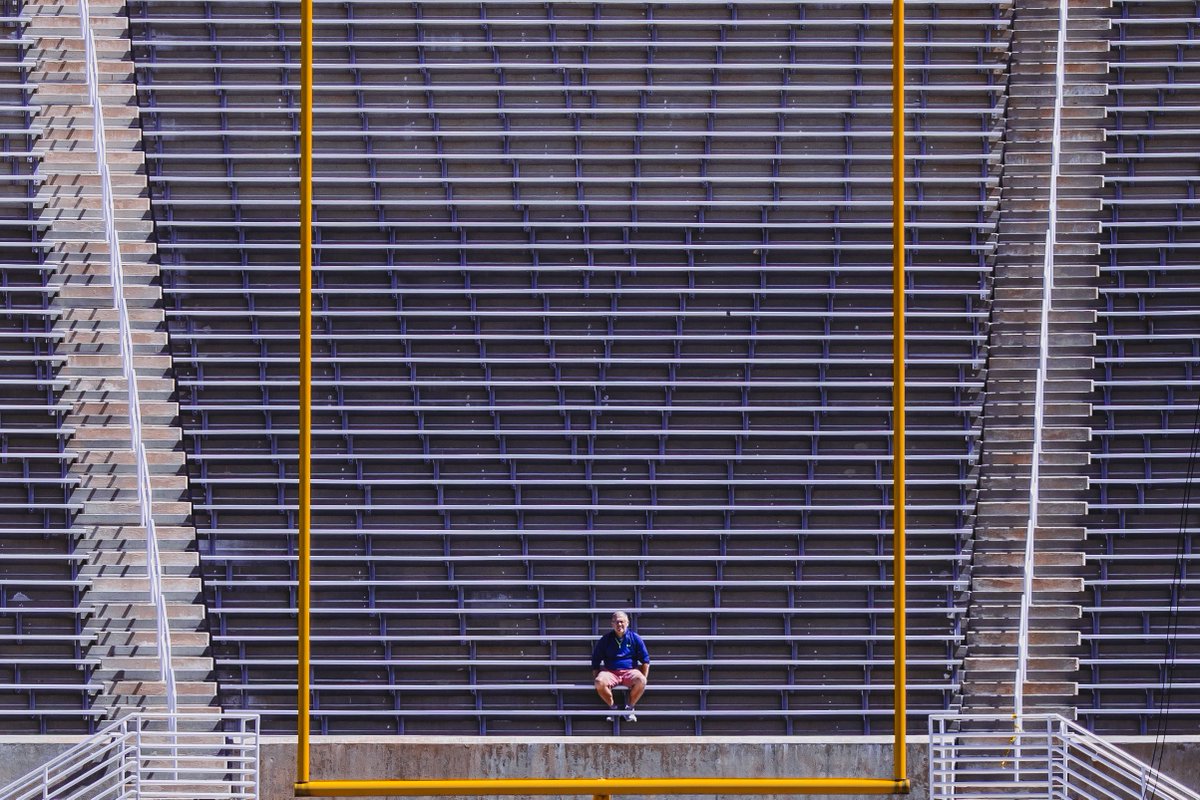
580	757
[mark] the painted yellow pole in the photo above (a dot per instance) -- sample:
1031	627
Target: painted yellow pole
595	786
899	572
304	523
602	786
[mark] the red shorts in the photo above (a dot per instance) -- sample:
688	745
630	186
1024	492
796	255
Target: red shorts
620	677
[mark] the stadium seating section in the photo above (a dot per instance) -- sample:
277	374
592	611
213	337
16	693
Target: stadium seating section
603	321
43	666
1143	619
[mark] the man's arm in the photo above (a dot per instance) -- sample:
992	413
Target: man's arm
597	657
643	656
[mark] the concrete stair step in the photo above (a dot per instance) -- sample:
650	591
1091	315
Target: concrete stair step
1013	586
999	689
981	667
1017	560
1037	639
120	664
1040	611
193	690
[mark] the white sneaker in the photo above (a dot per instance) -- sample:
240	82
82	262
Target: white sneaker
611	717
631	717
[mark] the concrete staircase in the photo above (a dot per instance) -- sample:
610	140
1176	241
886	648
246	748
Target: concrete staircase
124	623
1003	511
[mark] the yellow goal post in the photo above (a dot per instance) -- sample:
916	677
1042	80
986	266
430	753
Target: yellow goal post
307	786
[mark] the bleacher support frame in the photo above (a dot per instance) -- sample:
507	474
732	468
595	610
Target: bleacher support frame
305	786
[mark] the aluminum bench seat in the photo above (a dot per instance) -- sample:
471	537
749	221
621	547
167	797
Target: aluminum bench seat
410	609
583	641
664	687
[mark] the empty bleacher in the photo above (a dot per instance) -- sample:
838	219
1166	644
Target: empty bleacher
602	321
45	682
1143	626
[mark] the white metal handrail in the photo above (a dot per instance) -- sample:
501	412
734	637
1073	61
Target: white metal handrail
125	339
1043	359
986	757
152	756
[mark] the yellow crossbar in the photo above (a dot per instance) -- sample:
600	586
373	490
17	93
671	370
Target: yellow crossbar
603	786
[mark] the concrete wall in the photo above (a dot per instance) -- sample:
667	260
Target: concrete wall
585	757
496	757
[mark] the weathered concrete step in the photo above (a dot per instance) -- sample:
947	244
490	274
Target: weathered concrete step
135	559
1036	183
984	689
1014	585
116	437
1057	638
1003	612
1054	415
129	514
117	460
112	480
1060	248
154	365
997	433
1023	162
1016	559
981	666
138	585
153	414
153	688
140	615
102	388
1068	319
145	643
159	496
1030	360
135	667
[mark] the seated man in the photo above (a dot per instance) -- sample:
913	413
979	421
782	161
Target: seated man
614	660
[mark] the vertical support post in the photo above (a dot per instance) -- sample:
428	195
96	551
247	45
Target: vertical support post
899	572
137	752
304	521
257	762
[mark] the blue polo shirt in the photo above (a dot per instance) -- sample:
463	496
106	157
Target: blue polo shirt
621	653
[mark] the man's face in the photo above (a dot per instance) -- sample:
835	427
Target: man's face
620	624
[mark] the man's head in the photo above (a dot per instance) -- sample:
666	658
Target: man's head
620	622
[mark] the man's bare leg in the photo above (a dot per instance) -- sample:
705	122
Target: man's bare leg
635	691
605	692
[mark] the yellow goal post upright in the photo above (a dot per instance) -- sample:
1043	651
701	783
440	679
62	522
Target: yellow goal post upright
306	786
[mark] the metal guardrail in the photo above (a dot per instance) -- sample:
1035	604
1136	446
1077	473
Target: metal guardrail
137	444
1039	406
1047	756
151	756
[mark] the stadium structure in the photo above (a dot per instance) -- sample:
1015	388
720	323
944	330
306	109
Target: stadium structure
602	320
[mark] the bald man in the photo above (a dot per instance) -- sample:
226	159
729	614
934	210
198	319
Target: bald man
620	658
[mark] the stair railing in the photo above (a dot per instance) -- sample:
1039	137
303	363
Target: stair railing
149	756
145	491
1050	758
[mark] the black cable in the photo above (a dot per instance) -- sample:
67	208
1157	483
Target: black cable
1176	588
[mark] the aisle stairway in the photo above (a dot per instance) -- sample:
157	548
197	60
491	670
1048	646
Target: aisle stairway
1002	517
122	627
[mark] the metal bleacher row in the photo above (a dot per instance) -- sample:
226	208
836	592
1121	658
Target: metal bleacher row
603	321
45	683
1143	623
